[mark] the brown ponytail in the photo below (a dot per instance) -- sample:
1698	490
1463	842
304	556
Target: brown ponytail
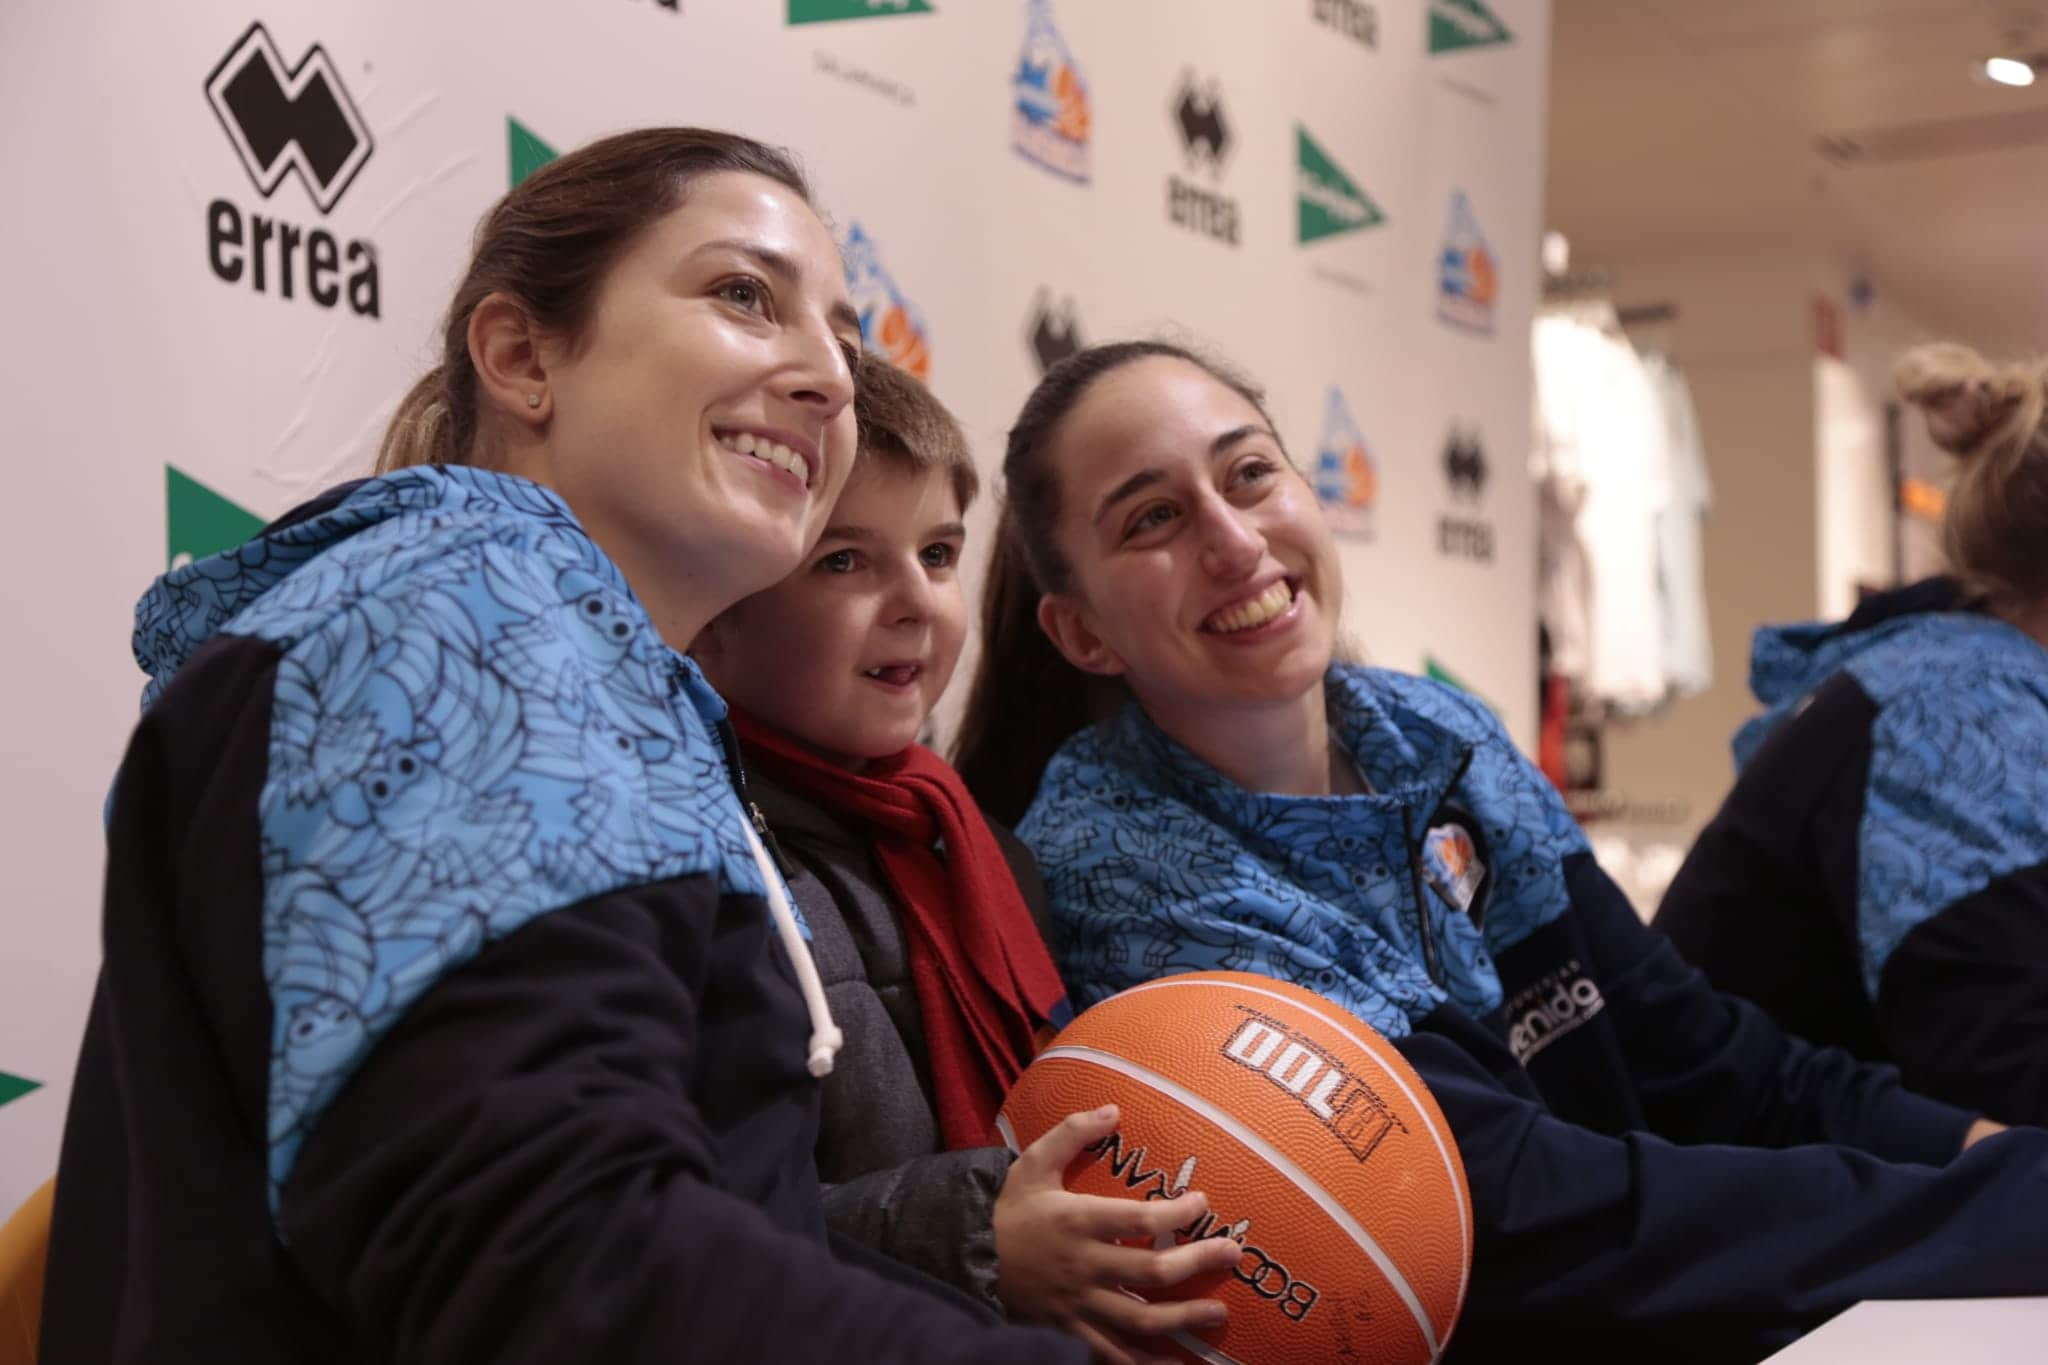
1027	699
548	244
1990	417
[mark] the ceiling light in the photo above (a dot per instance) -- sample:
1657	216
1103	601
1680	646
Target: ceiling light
2009	71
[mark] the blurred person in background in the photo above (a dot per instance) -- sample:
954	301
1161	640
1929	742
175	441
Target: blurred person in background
1878	876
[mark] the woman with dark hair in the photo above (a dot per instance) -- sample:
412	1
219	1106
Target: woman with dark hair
1657	1171
452	1008
1878	876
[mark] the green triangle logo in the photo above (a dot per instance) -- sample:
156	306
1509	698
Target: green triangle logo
1458	24
13	1088
1436	672
1326	202
826	11
201	522
529	153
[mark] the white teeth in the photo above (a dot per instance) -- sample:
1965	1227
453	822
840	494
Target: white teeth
1256	612
782	457
770	452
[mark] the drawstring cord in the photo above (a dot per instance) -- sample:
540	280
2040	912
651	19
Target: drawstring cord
826	1039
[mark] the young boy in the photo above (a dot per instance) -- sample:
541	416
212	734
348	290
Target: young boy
925	919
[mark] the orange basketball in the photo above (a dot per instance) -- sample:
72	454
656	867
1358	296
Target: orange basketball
1320	1149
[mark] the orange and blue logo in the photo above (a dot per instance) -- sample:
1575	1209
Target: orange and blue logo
1347	482
888	323
1468	273
1050	121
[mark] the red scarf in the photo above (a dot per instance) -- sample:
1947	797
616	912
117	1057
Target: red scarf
985	984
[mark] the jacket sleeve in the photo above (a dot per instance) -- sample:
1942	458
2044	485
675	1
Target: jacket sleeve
1962	1004
1636	1232
515	1173
1710	1067
934	1213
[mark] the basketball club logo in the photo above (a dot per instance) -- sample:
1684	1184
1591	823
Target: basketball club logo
1468	279
1452	865
888	323
1049	120
1347	483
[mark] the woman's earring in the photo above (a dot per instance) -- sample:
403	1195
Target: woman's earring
533	400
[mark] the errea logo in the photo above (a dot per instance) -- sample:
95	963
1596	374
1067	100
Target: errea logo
296	122
284	119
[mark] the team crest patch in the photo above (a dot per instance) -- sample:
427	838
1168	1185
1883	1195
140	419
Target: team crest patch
1453	866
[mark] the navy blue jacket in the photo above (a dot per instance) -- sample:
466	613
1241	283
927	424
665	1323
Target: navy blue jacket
1878	875
1657	1170
441	1015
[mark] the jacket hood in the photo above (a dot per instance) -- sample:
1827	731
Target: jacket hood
195	601
1788	662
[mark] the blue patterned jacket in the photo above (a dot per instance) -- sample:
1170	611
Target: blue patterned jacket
1657	1170
1887	840
442	1016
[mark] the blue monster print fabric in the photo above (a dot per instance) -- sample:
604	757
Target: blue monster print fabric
1155	863
1958	789
1787	663
473	722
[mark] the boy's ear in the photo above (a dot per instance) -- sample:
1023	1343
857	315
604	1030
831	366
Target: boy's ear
1068	625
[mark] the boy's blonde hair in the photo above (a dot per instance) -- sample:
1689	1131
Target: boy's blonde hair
905	426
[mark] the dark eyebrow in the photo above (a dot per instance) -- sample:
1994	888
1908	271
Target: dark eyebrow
946	531
1145	478
784	267
1235	434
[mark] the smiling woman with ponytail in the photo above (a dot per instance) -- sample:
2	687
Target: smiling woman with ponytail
1878	877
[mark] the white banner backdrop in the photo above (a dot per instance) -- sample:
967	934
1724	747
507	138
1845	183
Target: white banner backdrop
236	223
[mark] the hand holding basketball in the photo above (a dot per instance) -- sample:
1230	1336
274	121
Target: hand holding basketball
1334	1193
1057	1256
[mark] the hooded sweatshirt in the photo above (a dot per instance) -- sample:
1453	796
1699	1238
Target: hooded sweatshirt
1657	1171
1878	875
442	1016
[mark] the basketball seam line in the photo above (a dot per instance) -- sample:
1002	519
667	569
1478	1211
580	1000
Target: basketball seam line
1450	1167
1195	1346
1272	1156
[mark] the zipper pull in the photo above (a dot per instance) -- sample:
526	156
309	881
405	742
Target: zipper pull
1431	962
782	863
